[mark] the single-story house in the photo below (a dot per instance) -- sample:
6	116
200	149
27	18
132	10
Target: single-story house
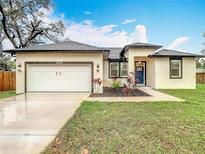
72	66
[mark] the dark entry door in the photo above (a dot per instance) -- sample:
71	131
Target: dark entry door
139	74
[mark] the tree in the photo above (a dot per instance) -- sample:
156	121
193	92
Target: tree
23	22
201	61
198	64
6	62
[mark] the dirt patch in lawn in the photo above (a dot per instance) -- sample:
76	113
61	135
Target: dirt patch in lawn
110	92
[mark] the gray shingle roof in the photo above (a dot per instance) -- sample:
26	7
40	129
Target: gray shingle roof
139	45
60	46
114	52
168	52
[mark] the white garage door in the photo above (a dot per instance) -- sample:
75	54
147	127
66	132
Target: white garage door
53	77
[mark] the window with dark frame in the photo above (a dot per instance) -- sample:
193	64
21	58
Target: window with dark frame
114	69
123	69
118	69
175	68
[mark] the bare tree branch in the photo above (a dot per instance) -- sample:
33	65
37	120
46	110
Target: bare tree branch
3	20
33	37
23	25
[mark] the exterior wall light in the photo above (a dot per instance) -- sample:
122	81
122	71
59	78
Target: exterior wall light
98	68
19	69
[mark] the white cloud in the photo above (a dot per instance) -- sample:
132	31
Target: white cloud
87	22
96	35
50	17
140	34
178	42
87	12
104	35
127	21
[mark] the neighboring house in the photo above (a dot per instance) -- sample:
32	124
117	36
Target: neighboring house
72	66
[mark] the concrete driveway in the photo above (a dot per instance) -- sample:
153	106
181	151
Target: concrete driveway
28	122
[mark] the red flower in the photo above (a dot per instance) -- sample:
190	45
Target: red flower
97	81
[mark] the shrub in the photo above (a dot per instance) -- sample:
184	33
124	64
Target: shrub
131	82
116	84
126	90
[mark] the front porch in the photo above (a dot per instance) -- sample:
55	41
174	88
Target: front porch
143	69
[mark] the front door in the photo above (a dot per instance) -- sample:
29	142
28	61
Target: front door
139	74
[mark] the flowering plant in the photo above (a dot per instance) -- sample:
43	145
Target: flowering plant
130	80
97	82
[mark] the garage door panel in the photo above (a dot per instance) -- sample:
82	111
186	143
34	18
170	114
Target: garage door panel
59	77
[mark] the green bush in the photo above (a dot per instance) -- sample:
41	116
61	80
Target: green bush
116	84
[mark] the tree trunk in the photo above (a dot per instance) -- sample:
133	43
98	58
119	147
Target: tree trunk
1	46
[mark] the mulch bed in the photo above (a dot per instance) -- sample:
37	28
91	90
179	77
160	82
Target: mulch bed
110	92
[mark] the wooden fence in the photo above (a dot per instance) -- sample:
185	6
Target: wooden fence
7	80
200	78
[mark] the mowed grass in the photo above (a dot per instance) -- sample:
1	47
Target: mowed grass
147	127
5	94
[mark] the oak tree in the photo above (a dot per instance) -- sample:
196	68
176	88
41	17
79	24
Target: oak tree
24	22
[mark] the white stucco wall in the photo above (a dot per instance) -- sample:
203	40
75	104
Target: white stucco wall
151	74
107	82
150	70
163	80
140	52
158	70
21	58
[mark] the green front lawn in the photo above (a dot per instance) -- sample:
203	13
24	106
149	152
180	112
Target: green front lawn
4	94
147	127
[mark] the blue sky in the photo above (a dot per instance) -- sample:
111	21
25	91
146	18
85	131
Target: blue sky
176	24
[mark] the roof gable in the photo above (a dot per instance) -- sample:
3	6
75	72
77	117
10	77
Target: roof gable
139	45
